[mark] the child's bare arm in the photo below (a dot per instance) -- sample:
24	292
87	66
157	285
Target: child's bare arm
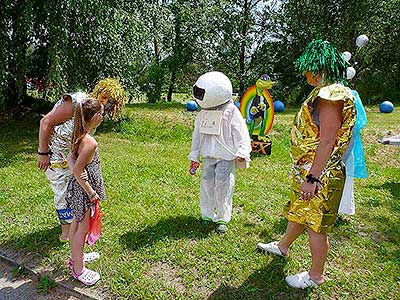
86	151
57	116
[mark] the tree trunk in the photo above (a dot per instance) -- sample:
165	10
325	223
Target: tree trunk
171	86
16	89
157	81
242	54
177	52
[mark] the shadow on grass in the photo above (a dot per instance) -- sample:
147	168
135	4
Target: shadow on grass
278	229
394	189
177	227
41	242
256	155
291	110
386	224
17	139
265	283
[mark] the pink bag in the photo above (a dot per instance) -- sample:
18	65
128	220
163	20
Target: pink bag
94	225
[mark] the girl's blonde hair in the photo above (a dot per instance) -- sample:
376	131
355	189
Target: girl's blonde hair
84	112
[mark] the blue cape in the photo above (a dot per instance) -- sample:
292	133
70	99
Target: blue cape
354	158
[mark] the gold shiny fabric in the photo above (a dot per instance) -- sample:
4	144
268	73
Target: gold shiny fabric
319	214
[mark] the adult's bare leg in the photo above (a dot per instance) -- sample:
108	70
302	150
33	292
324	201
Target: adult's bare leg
293	230
319	246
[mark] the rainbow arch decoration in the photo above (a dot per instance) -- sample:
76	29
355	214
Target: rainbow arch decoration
245	105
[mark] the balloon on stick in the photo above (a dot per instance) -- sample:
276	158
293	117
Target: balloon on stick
346	56
350	72
362	40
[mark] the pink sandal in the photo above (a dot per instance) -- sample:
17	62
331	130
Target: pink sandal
87	277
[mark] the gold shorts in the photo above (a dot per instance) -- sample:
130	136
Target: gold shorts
320	212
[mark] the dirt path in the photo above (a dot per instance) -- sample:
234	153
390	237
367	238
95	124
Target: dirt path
23	288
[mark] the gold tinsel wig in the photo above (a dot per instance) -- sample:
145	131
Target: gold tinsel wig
112	88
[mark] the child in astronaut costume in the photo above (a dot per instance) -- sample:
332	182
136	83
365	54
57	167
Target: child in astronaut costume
221	137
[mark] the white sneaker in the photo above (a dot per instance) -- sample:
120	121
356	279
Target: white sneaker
271	248
300	281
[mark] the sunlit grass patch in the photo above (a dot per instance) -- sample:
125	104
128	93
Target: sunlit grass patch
153	246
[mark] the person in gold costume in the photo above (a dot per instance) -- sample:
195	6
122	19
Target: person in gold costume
320	135
55	135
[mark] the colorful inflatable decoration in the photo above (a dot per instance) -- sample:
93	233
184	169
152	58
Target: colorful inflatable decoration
257	107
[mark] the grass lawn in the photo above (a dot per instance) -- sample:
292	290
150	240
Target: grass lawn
153	246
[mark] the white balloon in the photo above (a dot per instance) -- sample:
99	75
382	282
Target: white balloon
362	40
346	55
350	73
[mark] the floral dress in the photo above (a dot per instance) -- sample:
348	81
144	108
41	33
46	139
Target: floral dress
76	197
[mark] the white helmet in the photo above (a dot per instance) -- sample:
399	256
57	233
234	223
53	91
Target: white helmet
212	89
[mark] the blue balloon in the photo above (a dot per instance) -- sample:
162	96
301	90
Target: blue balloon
386	107
279	106
191	105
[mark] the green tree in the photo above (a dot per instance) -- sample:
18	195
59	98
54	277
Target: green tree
69	44
297	22
161	46
241	28
157	25
14	37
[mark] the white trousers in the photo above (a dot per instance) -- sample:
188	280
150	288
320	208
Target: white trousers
216	189
347	206
59	179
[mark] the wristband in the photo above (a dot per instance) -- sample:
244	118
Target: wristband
92	195
311	179
45	153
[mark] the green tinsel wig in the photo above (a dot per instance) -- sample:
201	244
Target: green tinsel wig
321	57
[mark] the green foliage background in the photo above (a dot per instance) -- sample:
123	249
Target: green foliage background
160	47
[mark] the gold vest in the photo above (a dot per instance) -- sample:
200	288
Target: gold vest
305	133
